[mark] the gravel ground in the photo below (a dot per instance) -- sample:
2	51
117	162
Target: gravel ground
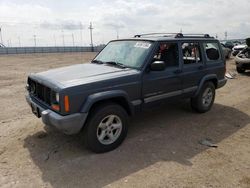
162	148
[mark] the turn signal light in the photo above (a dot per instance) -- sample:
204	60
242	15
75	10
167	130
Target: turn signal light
55	107
66	103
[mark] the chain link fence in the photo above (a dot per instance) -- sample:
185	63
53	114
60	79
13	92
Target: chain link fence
28	50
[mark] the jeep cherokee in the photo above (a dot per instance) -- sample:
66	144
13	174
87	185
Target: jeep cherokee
127	76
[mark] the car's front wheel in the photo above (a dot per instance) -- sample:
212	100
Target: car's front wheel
205	98
106	128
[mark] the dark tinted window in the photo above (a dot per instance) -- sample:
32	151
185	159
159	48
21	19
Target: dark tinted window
167	52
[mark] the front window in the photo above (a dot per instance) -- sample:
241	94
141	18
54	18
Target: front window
168	52
128	53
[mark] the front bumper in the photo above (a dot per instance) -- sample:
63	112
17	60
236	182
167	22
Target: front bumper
69	124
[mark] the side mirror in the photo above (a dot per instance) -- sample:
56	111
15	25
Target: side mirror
157	66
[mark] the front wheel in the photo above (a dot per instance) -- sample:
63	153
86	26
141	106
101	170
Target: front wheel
205	98
106	128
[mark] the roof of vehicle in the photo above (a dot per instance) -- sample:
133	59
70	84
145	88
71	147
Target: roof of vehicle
169	36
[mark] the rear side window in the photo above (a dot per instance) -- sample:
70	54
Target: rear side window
191	53
212	51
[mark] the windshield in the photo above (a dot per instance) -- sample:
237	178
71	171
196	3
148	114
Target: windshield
128	53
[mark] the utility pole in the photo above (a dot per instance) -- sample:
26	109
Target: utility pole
34	40
81	33
63	38
225	35
1	35
91	38
54	39
9	43
73	39
19	40
117	33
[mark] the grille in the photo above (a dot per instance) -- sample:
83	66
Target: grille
40	91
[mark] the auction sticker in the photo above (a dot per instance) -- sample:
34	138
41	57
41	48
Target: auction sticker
142	45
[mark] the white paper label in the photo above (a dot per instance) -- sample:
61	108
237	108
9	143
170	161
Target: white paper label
142	45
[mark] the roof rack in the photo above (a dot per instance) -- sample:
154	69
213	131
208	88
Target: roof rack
159	34
176	35
196	35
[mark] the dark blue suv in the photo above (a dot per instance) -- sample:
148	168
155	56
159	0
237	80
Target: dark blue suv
127	76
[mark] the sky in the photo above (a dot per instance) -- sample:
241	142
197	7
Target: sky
64	22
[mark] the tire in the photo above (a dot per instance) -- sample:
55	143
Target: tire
240	70
106	128
205	98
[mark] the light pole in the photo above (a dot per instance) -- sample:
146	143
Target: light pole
1	35
63	38
73	39
9	43
91	38
19	40
81	33
117	33
34	40
55	40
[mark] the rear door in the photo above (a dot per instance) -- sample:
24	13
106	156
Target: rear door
193	66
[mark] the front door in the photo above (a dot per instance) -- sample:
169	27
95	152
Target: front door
162	85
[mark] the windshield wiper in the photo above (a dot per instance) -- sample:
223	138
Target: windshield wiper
97	61
116	64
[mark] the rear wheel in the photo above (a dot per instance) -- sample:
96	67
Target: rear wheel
106	128
205	98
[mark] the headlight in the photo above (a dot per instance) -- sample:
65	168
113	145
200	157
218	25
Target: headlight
57	97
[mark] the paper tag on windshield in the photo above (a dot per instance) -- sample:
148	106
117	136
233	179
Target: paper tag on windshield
142	45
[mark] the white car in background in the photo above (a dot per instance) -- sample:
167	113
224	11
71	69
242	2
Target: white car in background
238	48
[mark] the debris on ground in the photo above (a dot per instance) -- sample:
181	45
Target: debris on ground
53	150
230	75
207	142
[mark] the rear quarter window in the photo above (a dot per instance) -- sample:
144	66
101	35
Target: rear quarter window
212	51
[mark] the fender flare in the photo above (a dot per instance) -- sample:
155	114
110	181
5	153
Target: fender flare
105	95
203	80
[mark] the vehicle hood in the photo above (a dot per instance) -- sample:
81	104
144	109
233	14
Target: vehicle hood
239	47
81	74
